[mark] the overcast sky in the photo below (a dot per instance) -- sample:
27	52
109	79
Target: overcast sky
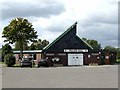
97	19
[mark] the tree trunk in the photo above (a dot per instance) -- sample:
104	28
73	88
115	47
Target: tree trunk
21	54
21	50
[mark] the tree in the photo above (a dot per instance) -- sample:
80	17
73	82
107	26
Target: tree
17	46
39	44
44	43
110	48
32	47
9	60
118	54
85	39
21	31
0	55
93	43
7	55
6	49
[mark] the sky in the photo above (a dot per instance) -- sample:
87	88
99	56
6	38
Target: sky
97	19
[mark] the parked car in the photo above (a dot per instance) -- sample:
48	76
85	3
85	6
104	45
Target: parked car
43	62
26	62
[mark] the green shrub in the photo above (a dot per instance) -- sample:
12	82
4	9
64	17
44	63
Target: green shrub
103	61
118	60
118	55
9	60
6	49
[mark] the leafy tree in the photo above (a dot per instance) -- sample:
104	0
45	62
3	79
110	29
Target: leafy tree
17	46
113	49
32	46
21	31
110	48
6	49
94	43
118	54
39	44
9	60
85	39
45	43
0	55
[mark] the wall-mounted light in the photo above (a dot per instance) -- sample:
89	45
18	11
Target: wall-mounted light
107	57
55	59
88	56
98	57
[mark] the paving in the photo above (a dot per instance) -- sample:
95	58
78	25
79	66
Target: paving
0	76
61	77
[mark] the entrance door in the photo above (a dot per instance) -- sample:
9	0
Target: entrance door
75	59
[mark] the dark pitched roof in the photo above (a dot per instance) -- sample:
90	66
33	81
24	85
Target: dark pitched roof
62	35
84	42
70	28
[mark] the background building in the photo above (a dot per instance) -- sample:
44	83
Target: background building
69	49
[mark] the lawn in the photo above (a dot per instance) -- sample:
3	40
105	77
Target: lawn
2	63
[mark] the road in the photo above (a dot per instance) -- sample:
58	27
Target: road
61	77
0	76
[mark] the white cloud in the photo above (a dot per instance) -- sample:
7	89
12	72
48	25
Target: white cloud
15	9
97	19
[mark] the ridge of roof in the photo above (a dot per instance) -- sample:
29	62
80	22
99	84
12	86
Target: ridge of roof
59	37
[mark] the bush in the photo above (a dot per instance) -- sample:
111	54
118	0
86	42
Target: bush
6	49
9	60
118	61
118	55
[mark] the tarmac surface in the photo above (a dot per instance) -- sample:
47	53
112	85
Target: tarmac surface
60	77
0	77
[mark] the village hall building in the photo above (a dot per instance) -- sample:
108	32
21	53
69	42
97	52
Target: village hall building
69	49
